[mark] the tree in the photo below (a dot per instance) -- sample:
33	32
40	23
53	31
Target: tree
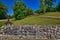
29	11
19	9
50	4
46	5
42	6
58	7
3	10
37	11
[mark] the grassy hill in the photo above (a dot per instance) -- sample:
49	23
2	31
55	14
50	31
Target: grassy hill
32	20
57	14
2	23
38	20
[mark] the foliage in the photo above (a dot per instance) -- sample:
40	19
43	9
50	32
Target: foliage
3	10
42	6
29	11
50	4
11	16
38	11
58	7
46	6
18	10
50	10
20	16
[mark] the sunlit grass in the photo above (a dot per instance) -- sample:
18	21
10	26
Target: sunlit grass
24	39
37	20
2	23
32	20
51	14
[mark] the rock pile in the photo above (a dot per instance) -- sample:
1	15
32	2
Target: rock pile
32	31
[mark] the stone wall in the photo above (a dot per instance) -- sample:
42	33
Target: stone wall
32	31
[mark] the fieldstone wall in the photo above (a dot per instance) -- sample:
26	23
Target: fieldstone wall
31	31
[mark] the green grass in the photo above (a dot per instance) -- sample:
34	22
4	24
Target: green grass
52	14
38	20
2	23
32	20
24	39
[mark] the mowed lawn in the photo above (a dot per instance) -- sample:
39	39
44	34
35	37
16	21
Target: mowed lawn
2	23
37	20
25	39
56	14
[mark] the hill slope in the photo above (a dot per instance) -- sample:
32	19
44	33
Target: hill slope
52	18
40	20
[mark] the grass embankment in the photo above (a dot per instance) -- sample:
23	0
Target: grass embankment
32	20
25	39
38	20
2	23
56	14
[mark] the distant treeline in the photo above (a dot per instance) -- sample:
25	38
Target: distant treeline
21	11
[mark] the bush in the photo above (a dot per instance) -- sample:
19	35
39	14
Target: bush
20	16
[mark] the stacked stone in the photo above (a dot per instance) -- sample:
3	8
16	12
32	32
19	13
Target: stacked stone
32	31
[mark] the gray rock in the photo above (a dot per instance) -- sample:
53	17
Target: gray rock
32	31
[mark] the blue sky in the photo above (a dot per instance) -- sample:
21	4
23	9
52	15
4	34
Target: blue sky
34	4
